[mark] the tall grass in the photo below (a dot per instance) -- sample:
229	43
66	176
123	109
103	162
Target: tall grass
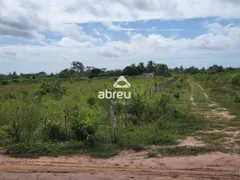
78	116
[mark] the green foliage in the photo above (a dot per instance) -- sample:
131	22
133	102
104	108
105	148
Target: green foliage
150	67
235	80
52	87
83	131
162	70
15	81
91	101
135	107
9	131
30	149
52	131
95	72
153	155
4	82
130	71
176	95
9	95
145	134
183	150
215	69
79	117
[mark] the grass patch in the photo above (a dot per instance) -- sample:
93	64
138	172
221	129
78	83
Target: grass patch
102	150
34	150
43	149
153	155
183	150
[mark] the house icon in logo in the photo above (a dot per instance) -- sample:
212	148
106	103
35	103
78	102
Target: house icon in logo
122	79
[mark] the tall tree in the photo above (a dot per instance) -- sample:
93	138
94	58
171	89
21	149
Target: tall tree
150	67
77	66
96	72
162	69
141	68
130	71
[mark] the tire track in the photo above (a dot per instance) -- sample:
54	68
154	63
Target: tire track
60	168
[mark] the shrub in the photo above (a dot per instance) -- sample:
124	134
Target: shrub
83	131
136	107
52	87
4	82
235	80
15	80
176	95
52	131
12	130
163	101
10	96
91	101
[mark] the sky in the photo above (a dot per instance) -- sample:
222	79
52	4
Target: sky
47	35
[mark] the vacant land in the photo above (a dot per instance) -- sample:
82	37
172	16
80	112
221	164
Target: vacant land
175	127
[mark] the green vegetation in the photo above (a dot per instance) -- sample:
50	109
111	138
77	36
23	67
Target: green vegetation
223	87
183	150
56	114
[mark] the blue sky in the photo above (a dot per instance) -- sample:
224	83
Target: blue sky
49	35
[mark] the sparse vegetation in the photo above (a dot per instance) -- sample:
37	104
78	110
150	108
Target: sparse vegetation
52	112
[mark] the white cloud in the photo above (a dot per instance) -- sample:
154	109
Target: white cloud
114	27
74	32
96	32
79	11
219	39
20	21
27	19
126	10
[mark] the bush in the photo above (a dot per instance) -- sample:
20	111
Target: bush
163	101
83	131
10	95
52	87
15	81
4	82
136	107
176	95
235	80
52	131
91	101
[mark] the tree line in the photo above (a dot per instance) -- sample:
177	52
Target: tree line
77	69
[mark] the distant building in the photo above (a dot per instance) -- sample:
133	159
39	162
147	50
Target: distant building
149	74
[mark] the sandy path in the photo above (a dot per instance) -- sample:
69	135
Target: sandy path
191	96
126	165
217	111
205	94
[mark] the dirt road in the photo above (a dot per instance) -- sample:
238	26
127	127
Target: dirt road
126	165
